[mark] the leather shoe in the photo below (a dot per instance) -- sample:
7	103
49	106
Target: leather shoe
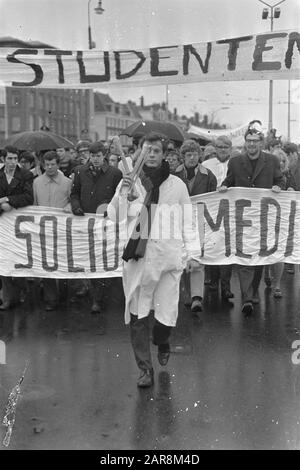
95	308
146	379
196	306
163	354
247	308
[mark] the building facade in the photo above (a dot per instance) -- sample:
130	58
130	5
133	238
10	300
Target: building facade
111	118
65	112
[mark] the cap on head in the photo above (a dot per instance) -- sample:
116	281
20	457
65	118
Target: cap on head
82	145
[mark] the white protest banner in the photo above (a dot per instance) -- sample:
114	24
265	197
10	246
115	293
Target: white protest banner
270	55
235	135
247	226
46	242
250	226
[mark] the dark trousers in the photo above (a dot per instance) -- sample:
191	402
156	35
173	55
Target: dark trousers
222	273
50	290
140	339
99	288
11	289
250	277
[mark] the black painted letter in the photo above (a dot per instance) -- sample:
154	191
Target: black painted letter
24	236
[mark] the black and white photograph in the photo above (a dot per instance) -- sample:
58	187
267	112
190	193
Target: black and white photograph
149	227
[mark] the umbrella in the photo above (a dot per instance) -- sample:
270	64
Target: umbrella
168	129
35	141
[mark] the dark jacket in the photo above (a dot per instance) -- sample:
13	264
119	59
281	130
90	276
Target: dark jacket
90	191
204	182
267	172
293	179
19	191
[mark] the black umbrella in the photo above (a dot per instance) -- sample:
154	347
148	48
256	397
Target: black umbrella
168	129
35	141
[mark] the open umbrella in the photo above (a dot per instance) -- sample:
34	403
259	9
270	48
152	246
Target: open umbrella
168	129
35	141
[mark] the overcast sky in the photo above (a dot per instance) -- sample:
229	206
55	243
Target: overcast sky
145	23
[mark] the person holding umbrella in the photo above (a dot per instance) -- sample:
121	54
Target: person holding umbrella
15	191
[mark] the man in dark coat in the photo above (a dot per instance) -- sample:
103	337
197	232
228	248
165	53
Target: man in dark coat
198	180
93	188
252	169
15	191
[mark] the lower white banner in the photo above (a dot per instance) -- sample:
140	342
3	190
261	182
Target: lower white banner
47	242
242	226
250	226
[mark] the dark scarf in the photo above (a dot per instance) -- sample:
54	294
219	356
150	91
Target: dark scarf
151	179
190	172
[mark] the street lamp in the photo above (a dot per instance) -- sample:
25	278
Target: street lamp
99	10
274	13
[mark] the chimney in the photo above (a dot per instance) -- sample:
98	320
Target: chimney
142	101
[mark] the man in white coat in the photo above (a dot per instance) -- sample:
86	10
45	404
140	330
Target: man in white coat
154	257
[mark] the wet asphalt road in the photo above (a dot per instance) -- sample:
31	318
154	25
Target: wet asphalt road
230	382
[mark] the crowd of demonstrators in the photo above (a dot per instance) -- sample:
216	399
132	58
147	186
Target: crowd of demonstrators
88	178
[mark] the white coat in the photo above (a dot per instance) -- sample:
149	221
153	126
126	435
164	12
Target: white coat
152	282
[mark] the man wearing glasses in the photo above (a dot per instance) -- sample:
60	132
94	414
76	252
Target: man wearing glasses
218	166
252	169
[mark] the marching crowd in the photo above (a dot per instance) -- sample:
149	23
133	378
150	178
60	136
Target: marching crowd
95	174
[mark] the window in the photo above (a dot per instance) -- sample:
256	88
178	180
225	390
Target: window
16	124
16	99
31	99
31	122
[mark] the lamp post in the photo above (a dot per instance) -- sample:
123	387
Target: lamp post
99	10
274	13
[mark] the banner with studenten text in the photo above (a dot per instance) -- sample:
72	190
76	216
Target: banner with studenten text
265	56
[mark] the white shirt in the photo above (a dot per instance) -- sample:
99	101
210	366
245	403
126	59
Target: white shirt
218	168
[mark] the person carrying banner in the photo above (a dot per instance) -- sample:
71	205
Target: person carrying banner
198	180
15	192
254	168
93	187
52	189
218	165
153	258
